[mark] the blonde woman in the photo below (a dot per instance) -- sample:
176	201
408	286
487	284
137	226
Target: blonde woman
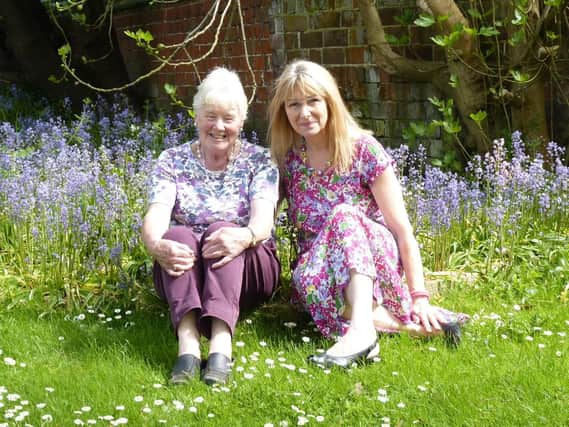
355	240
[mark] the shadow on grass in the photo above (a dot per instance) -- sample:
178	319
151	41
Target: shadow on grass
145	335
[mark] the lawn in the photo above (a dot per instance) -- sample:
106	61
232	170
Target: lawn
111	367
83	339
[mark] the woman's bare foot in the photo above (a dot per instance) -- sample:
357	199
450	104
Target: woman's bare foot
383	320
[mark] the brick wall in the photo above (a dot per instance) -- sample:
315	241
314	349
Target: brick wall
326	31
332	33
170	24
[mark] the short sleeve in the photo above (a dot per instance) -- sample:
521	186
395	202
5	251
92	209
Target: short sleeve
163	181
265	181
373	159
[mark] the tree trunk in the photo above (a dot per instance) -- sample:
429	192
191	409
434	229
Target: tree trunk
469	97
529	114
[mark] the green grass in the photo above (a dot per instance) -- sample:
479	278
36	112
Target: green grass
497	377
83	340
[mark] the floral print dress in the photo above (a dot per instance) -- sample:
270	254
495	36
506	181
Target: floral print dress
340	228
199	197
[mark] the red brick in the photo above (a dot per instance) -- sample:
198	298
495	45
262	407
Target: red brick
327	19
333	55
262	93
335	38
296	23
264	47
315	55
291	41
355	55
311	39
258	62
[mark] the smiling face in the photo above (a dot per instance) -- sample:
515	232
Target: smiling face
218	127
307	114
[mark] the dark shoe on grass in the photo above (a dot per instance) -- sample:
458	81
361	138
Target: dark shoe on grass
327	361
217	369
185	370
453	333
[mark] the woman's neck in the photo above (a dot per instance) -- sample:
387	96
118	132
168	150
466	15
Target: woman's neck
216	160
318	142
316	153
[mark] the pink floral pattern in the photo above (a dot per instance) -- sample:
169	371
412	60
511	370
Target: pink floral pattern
340	228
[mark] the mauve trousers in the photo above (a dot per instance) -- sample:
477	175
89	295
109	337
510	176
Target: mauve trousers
242	284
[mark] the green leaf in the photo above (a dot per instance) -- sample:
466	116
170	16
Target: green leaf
130	34
436	101
397	41
453	37
440	40
452	127
488	31
424	20
140	36
517	38
170	89
519	76
419	128
406	17
442	18
80	18
478	117
64	51
551	35
145	36
519	18
470	31
408	134
475	13
453	80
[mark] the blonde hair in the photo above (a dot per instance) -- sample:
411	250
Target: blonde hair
311	79
221	87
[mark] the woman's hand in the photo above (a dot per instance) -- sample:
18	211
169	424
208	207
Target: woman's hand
226	243
426	315
174	257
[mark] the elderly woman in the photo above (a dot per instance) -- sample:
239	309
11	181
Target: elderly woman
355	240
208	227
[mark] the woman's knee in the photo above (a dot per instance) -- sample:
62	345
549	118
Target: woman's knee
181	234
217	225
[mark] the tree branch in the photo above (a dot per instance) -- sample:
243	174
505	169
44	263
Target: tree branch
465	45
385	57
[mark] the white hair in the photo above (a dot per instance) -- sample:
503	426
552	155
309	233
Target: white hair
221	87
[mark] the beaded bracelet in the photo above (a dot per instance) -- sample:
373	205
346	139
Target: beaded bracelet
419	294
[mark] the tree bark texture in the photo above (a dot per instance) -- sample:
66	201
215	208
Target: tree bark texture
469	96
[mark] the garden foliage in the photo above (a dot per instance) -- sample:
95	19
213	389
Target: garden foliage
73	190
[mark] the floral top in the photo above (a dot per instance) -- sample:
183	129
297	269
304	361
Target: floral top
311	196
199	197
